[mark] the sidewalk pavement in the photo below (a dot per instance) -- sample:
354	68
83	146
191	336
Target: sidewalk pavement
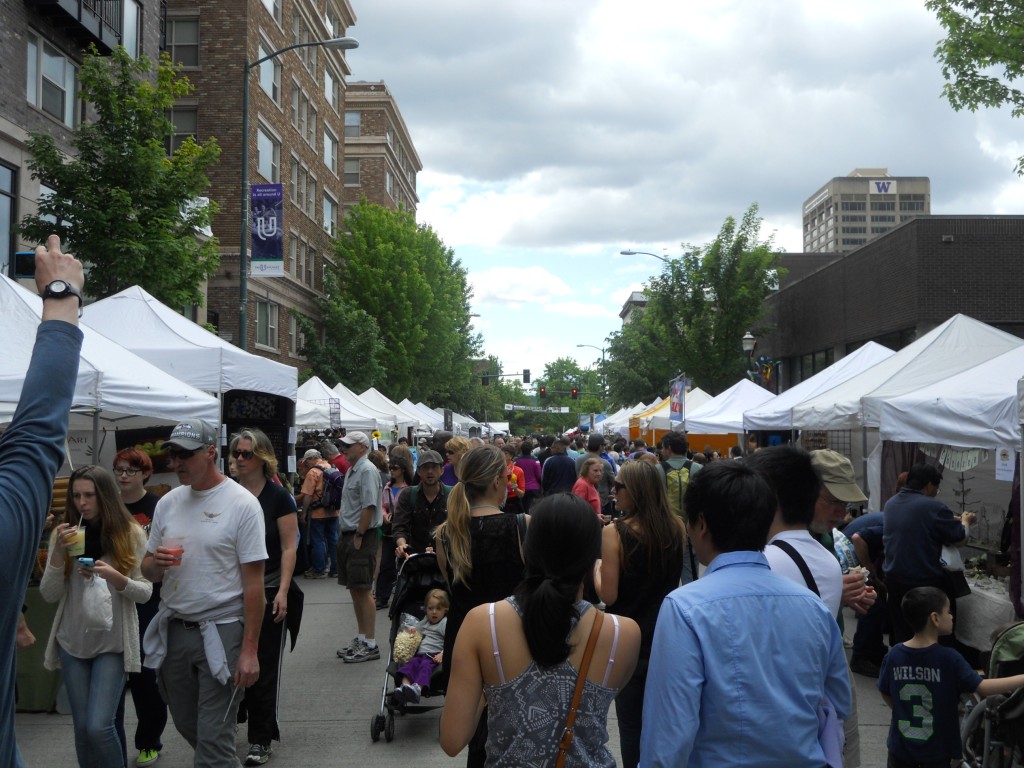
326	707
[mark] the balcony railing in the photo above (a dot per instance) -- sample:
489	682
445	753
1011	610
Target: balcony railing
92	21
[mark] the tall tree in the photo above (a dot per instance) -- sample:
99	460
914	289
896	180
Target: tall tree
698	309
120	203
982	57
405	277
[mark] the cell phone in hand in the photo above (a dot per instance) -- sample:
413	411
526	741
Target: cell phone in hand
86	562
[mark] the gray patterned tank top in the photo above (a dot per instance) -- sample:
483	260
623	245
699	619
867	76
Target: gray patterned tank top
526	715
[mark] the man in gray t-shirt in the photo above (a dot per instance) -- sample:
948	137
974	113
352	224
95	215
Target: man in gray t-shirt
358	547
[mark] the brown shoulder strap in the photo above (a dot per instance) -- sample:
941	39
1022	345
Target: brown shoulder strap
581	678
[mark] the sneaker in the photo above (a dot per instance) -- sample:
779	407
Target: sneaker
362	653
411	693
865	667
333	574
355	643
258	754
147	757
311	574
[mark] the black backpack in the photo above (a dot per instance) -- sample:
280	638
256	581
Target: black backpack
334	482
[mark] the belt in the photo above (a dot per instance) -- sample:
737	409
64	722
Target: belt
186	624
353	532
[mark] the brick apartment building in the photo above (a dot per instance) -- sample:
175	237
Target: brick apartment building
381	163
894	289
43	41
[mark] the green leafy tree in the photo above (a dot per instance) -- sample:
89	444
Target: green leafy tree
698	309
345	346
982	57
402	274
129	211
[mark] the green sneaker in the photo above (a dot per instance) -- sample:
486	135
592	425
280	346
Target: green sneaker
147	757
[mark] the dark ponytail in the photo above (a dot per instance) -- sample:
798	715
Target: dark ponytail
562	544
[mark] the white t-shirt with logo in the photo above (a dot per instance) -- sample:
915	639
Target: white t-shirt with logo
223	527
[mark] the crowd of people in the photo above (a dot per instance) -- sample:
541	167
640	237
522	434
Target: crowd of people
579	575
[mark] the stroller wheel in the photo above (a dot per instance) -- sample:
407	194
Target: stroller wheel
389	727
376	726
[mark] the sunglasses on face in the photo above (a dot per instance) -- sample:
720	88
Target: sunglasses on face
180	454
243	454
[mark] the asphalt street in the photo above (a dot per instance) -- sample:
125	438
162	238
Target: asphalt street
327	705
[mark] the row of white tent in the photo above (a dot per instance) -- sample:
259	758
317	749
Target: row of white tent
958	385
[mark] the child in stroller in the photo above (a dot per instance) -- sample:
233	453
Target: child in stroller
992	729
415	673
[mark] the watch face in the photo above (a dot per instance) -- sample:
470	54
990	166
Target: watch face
58	287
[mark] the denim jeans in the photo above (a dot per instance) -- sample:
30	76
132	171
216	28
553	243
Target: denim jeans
94	688
324	540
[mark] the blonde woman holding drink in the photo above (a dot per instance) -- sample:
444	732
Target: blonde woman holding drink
95	663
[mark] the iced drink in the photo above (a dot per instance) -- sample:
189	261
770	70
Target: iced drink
76	544
175	546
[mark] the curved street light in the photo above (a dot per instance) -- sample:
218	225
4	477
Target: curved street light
604	375
338	44
645	253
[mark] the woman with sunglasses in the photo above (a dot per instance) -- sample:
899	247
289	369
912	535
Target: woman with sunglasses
400	476
94	663
641	559
132	469
454	450
257	465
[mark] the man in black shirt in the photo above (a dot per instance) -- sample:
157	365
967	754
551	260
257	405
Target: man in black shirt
421	508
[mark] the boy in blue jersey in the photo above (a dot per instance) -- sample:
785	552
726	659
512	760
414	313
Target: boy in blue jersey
922	682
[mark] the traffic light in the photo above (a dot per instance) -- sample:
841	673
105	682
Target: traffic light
485	379
575	394
542	392
526	375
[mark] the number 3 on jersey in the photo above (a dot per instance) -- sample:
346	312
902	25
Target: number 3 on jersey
920	699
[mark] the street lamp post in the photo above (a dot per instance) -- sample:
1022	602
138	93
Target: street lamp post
604	374
645	253
749	342
337	43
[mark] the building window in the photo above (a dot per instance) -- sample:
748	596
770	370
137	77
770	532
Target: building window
186	125
273	8
332	18
879	230
331	151
310	196
852	206
266	323
389	184
353	124
911	205
292	334
183	41
855	218
8	176
51	78
330	215
132	36
301	35
389	134
270	73
293	253
883	206
310	261
311	126
332	88
297	185
854	230
352	173
268	151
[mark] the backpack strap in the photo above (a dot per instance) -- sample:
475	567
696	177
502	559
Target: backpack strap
521	532
790	550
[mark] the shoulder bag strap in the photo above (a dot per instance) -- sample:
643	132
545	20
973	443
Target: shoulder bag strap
567	734
790	550
521	533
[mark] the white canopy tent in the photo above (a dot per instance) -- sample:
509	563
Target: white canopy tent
460	420
723	414
658	415
381	402
427	415
956	345
618	422
310	415
316	392
352	402
777	413
190	353
115	388
977	408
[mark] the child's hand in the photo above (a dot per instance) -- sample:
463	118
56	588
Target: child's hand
438	656
411	630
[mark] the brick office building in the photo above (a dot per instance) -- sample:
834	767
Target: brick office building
296	117
43	43
894	289
380	160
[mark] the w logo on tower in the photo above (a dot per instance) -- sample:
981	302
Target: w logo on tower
882	187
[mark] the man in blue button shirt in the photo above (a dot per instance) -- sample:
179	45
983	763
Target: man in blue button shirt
743	658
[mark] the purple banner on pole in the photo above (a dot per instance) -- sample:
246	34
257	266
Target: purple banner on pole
266	226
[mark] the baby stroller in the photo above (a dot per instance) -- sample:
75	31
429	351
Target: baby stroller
992	730
417	576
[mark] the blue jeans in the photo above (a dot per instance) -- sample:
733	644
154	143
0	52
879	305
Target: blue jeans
94	689
324	539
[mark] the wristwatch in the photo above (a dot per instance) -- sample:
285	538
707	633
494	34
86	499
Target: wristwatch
61	289
360	534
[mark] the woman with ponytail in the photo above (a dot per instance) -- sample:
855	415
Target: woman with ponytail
479	549
524	652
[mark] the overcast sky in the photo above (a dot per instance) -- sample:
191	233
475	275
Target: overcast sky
553	134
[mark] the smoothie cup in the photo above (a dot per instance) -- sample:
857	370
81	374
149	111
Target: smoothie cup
175	545
76	544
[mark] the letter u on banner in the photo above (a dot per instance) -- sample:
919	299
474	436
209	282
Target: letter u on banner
266	207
